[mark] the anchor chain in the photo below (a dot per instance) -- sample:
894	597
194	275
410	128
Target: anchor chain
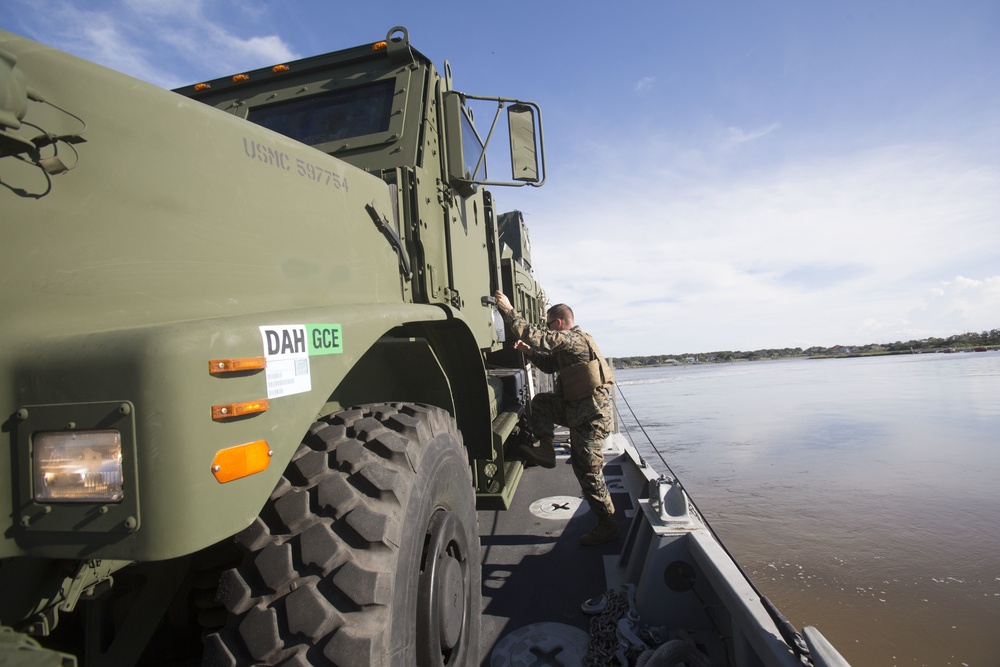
614	632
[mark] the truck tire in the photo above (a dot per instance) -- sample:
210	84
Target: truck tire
366	553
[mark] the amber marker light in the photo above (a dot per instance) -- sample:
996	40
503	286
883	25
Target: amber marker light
379	46
241	461
239	409
238	78
202	86
221	366
278	69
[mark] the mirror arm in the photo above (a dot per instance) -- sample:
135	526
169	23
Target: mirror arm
502	102
489	135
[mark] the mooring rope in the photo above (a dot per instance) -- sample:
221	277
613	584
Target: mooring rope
618	389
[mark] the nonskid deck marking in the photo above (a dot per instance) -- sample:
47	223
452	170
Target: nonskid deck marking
558	644
559	508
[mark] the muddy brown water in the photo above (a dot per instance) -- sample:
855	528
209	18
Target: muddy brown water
862	496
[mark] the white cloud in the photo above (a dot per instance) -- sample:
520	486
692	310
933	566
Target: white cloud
958	305
813	251
738	135
265	49
167	42
645	84
99	39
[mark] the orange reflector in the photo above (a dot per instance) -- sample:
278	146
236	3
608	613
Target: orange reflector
379	46
241	461
241	77
277	69
239	409
219	366
202	86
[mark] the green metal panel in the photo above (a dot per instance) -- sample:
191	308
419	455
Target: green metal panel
471	240
163	371
175	211
395	370
178	233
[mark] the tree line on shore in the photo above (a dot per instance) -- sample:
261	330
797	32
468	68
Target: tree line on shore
981	341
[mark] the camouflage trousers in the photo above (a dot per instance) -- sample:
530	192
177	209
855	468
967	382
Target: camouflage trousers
589	426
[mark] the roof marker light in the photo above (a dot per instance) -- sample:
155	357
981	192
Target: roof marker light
237	78
241	461
221	366
202	86
380	46
230	410
278	69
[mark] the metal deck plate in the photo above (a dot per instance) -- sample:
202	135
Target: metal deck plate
559	508
553	644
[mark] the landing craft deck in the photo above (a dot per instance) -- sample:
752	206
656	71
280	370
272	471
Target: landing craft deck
535	572
682	597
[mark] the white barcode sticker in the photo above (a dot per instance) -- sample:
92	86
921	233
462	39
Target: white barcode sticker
287	353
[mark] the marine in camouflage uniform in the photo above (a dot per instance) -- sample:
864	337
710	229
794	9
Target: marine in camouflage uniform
566	349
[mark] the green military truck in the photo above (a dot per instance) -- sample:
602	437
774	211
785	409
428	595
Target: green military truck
253	381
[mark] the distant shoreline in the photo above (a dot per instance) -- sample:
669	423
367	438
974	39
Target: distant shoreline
890	353
659	361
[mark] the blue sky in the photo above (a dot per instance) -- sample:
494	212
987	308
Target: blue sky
721	175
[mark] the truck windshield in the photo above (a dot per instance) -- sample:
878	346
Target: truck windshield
332	116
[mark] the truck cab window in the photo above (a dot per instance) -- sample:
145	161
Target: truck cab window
332	116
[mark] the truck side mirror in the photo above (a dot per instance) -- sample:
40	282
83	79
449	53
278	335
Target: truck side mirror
466	149
464	152
523	147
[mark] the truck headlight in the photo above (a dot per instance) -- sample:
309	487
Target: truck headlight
77	466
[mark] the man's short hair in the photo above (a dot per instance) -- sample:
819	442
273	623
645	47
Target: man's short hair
562	311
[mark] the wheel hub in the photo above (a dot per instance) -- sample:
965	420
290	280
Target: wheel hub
442	607
451	601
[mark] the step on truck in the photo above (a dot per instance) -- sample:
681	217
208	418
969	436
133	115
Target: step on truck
254	384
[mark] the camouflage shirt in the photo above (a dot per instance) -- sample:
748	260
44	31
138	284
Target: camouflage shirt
553	351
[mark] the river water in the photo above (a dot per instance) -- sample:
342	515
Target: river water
862	496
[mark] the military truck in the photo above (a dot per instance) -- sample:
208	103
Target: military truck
254	382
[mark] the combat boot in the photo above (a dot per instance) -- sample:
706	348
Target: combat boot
606	531
541	454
